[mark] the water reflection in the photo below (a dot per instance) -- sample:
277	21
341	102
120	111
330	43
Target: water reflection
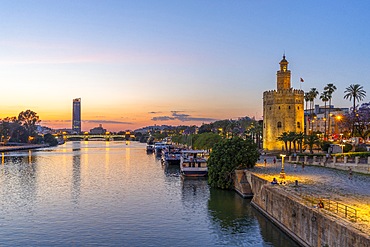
76	177
94	194
171	170
233	215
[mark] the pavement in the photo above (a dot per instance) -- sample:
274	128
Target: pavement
323	183
23	147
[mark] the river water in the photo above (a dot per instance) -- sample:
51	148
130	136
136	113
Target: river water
114	194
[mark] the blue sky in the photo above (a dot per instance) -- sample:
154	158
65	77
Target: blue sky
137	63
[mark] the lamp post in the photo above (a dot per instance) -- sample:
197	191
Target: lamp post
282	173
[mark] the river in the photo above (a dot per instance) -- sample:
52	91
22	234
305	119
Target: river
114	194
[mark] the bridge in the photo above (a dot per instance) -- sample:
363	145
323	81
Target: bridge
86	137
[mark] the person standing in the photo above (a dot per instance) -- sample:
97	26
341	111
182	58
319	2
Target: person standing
350	173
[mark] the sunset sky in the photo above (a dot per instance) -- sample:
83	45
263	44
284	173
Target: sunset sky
139	63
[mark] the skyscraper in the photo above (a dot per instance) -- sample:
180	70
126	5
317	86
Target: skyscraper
76	116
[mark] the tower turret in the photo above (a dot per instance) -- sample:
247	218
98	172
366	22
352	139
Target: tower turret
283	75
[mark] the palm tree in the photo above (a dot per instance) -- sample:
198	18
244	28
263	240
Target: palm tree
306	98
355	92
284	137
313	94
324	97
311	140
330	88
299	138
292	139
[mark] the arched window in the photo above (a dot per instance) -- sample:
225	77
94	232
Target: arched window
298	125
298	107
279	107
289	107
279	124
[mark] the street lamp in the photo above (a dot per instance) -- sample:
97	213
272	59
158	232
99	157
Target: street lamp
282	173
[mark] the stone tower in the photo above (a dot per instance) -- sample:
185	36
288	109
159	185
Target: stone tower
282	109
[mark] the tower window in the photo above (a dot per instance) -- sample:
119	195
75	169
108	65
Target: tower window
279	124
270	108
298	107
279	107
298	125
289	107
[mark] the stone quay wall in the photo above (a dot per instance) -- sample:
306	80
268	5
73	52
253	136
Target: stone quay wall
309	226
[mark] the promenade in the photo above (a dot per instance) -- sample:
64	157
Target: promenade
317	183
23	147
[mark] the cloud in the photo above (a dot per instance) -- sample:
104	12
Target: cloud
106	122
56	121
88	121
182	117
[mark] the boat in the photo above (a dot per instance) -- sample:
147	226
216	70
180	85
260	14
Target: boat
171	156
193	163
149	148
158	146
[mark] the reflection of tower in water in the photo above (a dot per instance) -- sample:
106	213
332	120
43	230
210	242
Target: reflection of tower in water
76	172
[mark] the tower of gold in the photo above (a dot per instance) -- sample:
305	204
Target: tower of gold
282	109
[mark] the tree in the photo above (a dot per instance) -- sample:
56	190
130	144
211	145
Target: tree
284	137
355	92
28	119
206	140
7	127
50	139
307	99
311	140
324	97
312	95
330	88
227	156
299	138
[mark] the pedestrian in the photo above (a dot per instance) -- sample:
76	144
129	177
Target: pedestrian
295	166
264	160
303	166
350	173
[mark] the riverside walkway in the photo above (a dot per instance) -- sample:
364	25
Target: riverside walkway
23	147
316	182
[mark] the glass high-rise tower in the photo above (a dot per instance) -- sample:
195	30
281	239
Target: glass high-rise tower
76	116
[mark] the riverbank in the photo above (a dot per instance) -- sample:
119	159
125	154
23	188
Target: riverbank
289	204
23	147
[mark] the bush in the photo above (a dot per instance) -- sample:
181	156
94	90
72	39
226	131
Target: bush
227	156
50	139
325	146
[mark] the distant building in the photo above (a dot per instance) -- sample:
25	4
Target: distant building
98	130
283	109
76	116
321	115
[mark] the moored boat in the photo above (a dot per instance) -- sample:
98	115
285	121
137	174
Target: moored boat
149	148
194	163
172	157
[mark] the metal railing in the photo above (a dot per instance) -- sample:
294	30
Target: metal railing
340	209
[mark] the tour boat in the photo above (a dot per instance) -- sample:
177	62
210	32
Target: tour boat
149	148
171	156
194	163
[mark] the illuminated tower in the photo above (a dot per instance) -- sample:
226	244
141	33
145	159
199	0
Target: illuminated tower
282	109
76	116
